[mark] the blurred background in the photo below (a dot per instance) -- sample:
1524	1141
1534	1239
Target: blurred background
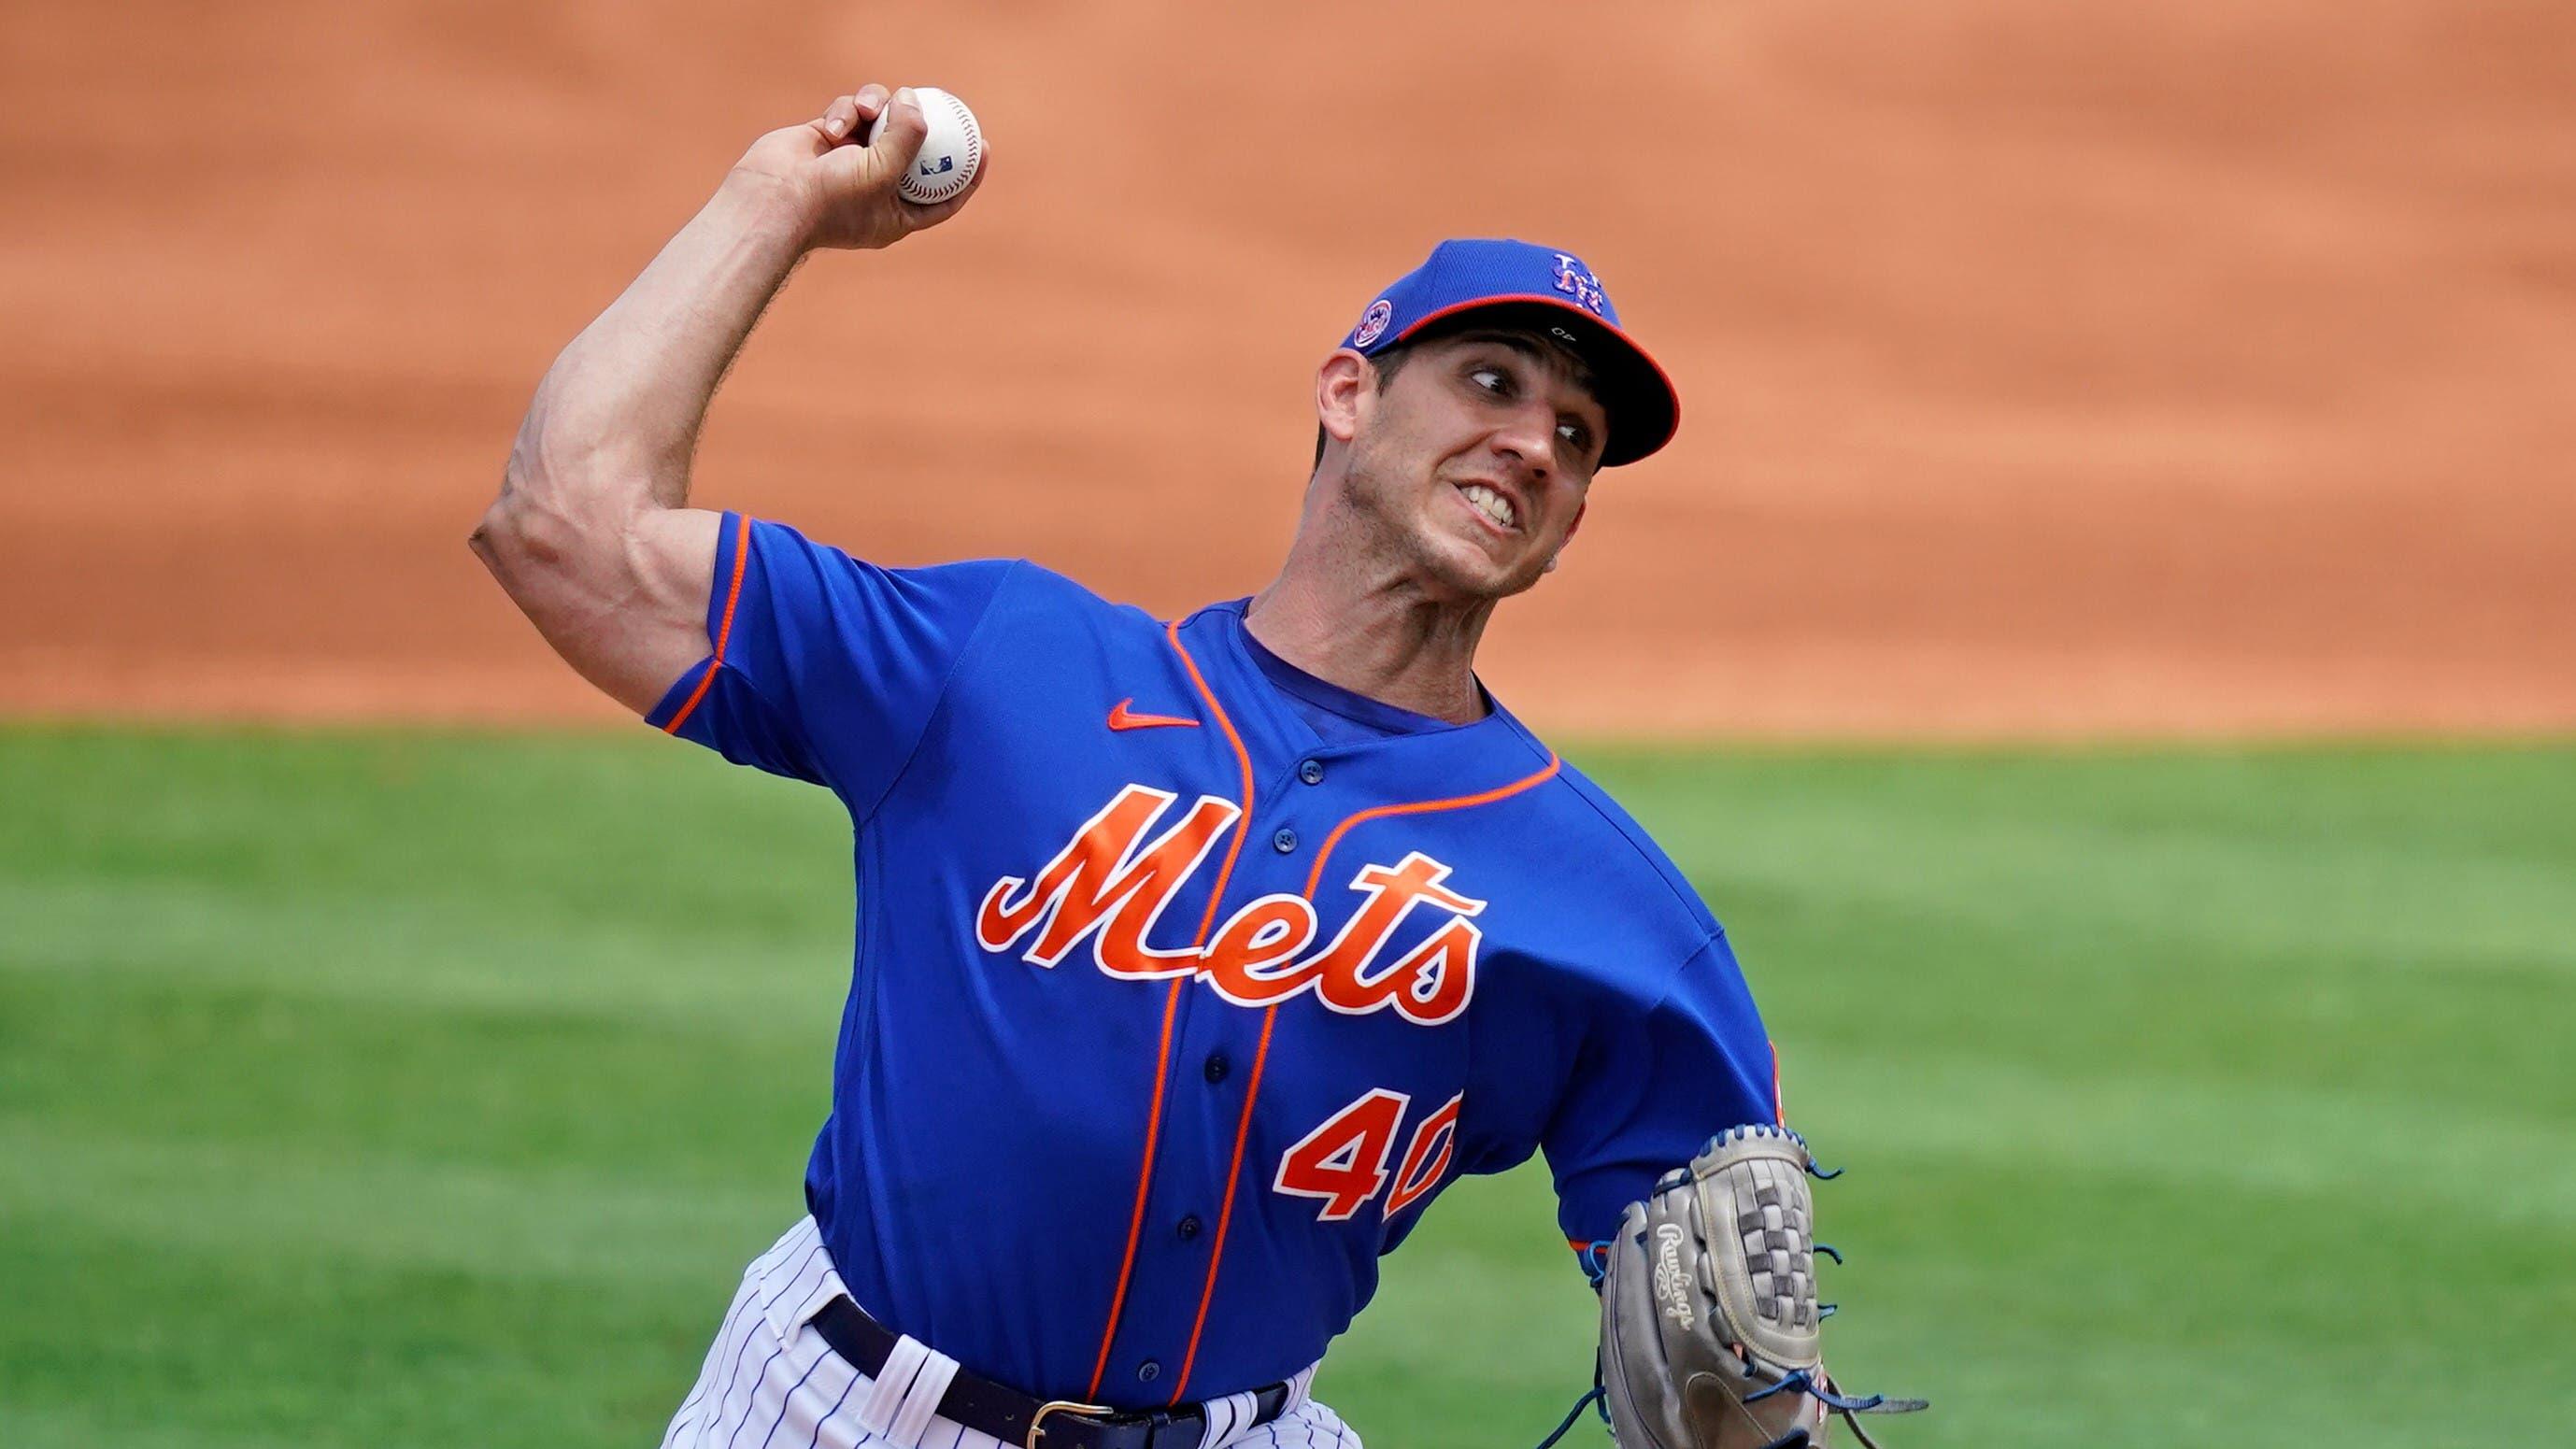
2104	640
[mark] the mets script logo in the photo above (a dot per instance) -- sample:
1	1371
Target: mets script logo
1110	884
1575	280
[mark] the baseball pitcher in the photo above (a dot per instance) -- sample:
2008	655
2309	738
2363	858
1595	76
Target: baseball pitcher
1193	957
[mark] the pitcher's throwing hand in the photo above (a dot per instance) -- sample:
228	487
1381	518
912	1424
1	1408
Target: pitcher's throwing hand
853	184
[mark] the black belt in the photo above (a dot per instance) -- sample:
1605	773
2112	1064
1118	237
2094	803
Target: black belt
1019	1421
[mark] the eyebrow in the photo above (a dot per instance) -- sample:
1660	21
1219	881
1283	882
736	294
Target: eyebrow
1574	367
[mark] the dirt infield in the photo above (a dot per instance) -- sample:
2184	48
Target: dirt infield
2048	368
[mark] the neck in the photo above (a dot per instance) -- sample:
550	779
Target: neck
1373	629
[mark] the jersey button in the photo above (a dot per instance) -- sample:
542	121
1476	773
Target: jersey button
1284	841
1189	1227
1216	1067
1149	1371
1312	772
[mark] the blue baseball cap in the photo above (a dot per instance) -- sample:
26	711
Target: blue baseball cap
1547	290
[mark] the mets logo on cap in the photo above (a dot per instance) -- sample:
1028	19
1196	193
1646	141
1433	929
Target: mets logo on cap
1373	322
1575	280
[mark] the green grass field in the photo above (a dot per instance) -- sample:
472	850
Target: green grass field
386	1090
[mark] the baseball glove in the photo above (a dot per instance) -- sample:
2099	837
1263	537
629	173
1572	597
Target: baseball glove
1710	1329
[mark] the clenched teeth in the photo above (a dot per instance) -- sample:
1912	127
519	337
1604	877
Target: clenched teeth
1495	505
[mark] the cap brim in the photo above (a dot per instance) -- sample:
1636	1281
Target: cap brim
1644	408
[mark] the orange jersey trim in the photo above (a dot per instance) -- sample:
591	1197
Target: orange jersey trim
724	629
1225	1215
1423	807
1270	1018
1171	1005
1144	1181
1242	760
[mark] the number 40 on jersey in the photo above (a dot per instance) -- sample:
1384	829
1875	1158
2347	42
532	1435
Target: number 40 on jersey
1350	1158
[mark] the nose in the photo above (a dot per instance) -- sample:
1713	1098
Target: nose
1529	437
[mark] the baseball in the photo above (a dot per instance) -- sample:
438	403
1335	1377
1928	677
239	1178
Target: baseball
951	152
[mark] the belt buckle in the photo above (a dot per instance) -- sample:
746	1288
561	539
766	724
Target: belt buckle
1058	1406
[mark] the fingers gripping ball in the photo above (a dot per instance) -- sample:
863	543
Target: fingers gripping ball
1711	1335
950	154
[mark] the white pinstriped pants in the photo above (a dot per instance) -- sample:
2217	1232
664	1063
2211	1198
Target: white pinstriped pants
771	1382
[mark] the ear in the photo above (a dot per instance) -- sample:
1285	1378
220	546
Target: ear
1341	392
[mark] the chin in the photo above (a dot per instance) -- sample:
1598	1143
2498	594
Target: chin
1459	568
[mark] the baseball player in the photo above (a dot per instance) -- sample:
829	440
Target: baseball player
1193	957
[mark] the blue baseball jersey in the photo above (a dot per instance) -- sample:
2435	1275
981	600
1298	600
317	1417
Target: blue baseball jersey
1182	985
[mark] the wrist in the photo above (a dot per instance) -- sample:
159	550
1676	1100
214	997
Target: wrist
768	204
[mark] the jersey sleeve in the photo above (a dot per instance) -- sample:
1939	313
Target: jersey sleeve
823	667
1653	1085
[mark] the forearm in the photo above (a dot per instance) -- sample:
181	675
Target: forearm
615	422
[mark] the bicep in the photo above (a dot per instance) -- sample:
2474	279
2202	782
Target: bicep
626	608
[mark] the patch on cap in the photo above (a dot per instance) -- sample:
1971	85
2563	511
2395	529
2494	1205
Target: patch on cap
1373	322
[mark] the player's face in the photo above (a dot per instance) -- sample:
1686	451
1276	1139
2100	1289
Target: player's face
1477	455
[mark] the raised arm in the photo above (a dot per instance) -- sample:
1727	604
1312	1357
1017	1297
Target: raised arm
592	536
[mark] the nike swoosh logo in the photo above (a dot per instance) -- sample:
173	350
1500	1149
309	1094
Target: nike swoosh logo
1123	718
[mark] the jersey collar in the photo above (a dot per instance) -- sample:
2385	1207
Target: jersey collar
1219	639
